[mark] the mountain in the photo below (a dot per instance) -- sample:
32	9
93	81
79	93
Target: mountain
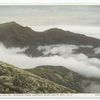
14	35
59	75
44	79
68	78
16	80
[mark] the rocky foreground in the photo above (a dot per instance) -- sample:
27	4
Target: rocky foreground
16	80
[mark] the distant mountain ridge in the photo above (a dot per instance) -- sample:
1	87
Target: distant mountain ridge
13	34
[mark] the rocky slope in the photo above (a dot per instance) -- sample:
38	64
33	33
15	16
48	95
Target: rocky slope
59	75
45	79
15	80
67	78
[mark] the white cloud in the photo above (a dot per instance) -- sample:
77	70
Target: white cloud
82	67
92	87
79	63
88	46
97	50
61	49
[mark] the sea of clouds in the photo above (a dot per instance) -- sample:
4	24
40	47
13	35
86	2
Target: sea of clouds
56	55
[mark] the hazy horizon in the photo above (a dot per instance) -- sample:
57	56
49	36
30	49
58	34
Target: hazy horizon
51	15
83	19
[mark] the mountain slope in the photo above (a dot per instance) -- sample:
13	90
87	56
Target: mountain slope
13	34
59	75
15	80
68	78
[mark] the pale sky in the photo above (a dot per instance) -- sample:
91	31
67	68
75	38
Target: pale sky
83	19
51	15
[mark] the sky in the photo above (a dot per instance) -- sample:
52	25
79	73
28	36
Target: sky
51	15
78	18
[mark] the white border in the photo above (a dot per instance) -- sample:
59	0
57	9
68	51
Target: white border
50	2
53	96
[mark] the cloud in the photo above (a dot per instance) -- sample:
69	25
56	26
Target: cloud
61	49
4	50
91	87
88	46
97	50
80	63
62	55
82	66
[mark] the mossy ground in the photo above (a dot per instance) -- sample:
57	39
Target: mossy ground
16	80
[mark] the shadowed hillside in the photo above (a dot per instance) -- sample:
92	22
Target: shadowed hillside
13	34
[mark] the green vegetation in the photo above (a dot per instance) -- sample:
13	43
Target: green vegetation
16	80
59	75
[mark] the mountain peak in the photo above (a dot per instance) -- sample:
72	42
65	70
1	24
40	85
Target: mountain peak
13	23
54	29
9	24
